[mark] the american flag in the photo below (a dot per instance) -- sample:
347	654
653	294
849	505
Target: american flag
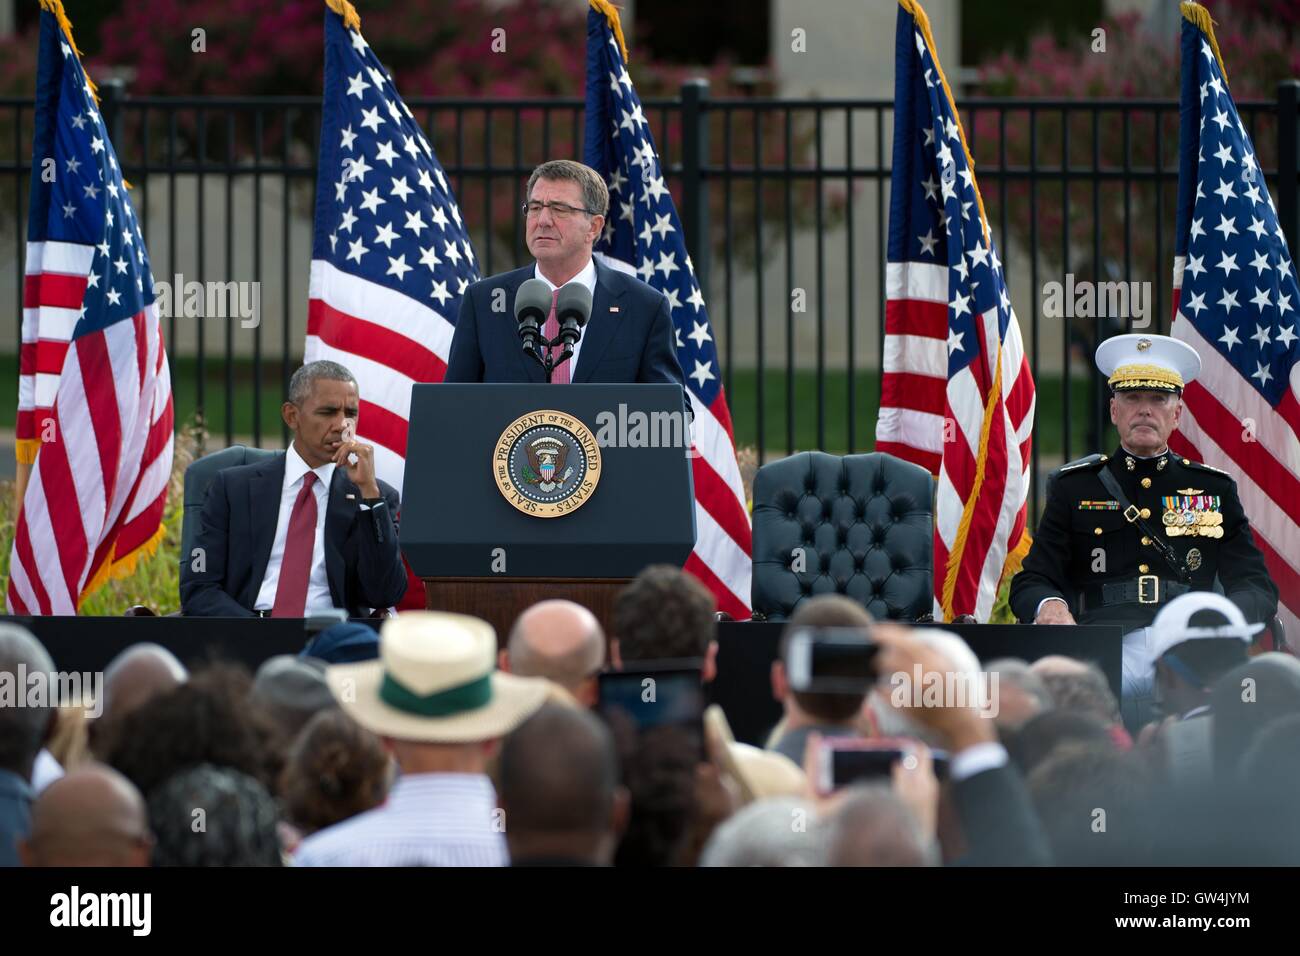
957	396
391	256
94	389
1236	301
643	236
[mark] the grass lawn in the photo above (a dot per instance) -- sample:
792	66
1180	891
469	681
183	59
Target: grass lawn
742	398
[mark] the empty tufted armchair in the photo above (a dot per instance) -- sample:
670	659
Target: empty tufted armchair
865	524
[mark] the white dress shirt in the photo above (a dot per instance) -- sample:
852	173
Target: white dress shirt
45	771
318	585
588	278
429	819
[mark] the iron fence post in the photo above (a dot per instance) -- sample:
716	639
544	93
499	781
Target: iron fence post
1288	161
695	197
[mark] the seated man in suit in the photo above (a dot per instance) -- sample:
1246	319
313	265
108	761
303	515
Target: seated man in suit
629	337
304	531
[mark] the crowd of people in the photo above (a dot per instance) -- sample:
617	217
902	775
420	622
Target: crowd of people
427	745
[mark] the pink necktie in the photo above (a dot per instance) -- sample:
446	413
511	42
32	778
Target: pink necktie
551	329
295	564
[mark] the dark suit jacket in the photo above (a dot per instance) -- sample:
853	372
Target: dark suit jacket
237	529
634	344
998	820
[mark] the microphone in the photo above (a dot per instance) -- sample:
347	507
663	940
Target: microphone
532	305
572	310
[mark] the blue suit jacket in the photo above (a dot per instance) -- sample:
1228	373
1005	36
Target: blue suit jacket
629	337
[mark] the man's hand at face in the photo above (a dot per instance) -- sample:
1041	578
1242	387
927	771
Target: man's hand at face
359	460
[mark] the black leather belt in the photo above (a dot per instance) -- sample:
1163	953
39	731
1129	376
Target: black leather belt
1146	589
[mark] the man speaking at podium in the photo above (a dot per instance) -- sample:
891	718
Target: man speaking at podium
629	336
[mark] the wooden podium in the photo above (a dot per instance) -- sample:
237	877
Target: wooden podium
501	602
515	494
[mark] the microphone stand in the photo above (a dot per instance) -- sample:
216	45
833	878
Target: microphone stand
548	363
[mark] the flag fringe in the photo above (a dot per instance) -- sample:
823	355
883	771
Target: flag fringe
1200	16
968	508
25	450
115	569
1016	557
611	14
56	7
347	11
922	21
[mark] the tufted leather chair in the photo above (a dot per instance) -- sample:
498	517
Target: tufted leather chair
865	524
197	478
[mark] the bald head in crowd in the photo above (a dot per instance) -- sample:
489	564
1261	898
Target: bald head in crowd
92	816
138	673
133	677
561	641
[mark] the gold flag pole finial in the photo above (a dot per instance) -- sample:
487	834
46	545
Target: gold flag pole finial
347	11
1200	16
611	14
56	7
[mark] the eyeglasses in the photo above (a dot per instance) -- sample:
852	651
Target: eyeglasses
560	210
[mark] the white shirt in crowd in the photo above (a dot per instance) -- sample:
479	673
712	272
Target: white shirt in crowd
45	771
318	585
429	819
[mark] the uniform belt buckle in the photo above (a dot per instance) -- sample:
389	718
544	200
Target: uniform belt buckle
1131	513
1143	581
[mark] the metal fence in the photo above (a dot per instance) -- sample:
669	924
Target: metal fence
784	204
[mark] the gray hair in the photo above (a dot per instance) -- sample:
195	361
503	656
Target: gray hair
1020	674
781	831
1085	691
305	379
873	827
595	194
240	819
22	727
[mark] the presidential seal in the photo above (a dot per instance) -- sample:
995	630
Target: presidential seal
546	463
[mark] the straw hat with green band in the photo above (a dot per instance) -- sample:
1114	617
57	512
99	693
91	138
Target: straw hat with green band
435	682
1156	363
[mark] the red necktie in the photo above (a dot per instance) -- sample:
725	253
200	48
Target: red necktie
295	564
551	329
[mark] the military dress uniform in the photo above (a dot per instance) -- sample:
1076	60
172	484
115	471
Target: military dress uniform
1110	572
1179	526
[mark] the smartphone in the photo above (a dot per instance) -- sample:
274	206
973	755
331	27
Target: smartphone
656	697
831	660
844	761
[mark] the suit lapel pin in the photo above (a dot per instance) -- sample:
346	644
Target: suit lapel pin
613	308
351	497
